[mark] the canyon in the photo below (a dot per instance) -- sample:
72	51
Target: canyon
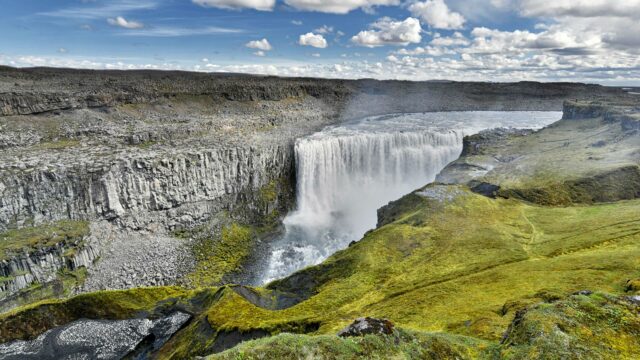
189	183
145	156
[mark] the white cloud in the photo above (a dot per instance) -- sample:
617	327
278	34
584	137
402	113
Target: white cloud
427	50
610	68
178	32
114	8
260	53
262	5
127	24
580	8
457	39
437	14
63	50
297	22
338	6
489	41
324	29
311	39
389	32
262	45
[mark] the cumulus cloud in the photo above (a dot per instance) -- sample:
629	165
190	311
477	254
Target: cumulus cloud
311	39
580	8
457	39
426	50
389	32
262	45
608	67
324	29
338	6
262	5
557	39
437	14
124	23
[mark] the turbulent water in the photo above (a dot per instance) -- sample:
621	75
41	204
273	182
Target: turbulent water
345	173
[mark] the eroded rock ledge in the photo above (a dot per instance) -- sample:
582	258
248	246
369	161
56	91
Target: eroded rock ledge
591	156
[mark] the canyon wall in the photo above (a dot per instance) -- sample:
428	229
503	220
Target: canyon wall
155	152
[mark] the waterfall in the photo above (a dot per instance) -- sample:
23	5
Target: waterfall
345	173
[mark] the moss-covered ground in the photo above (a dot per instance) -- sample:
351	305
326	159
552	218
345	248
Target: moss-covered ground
217	257
403	344
456	266
17	241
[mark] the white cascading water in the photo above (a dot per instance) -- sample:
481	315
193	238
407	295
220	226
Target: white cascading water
346	172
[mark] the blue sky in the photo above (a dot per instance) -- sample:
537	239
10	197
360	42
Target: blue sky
500	40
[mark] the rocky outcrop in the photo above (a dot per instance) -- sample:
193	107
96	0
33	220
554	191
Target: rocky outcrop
112	188
367	326
590	156
98	339
21	91
42	266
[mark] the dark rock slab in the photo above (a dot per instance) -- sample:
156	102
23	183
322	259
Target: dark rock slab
367	326
98	339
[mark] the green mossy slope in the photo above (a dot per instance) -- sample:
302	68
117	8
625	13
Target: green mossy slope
594	326
451	262
29	239
401	345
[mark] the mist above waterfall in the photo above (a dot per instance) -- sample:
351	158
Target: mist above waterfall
346	172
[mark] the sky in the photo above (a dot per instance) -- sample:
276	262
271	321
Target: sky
595	41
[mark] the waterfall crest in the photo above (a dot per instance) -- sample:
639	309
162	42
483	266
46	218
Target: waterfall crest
345	173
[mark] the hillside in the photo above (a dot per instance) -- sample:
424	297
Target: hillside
531	250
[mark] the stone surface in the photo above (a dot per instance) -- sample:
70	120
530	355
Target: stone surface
367	326
557	165
97	339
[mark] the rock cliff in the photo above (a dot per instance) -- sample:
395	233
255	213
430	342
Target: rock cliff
146	155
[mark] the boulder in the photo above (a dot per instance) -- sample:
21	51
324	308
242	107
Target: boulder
366	326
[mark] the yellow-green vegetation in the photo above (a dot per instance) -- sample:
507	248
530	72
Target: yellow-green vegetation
269	192
146	144
401	345
595	326
63	286
217	257
581	327
57	144
463	266
30	238
29	321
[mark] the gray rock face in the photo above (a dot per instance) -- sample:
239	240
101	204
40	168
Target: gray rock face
367	326
93	339
42	266
592	153
87	187
135	258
